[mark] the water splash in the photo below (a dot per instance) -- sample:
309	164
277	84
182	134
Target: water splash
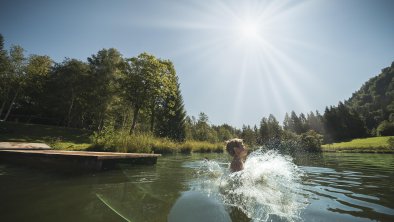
269	186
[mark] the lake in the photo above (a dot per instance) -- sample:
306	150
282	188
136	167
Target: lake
199	187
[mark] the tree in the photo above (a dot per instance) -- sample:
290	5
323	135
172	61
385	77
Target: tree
143	84
269	129
342	123
203	131
287	124
5	83
167	95
303	123
385	128
106	68
249	135
275	130
71	79
17	75
225	132
190	123
296	124
171	119
263	131
315	122
38	72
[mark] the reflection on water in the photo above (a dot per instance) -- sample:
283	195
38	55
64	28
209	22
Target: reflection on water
324	187
350	187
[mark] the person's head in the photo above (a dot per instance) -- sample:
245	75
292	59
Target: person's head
235	147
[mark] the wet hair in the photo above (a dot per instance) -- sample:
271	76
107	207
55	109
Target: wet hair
231	144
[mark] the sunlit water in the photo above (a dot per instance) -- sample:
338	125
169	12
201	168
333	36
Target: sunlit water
272	187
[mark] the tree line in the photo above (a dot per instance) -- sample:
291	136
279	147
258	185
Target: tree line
369	112
138	94
142	94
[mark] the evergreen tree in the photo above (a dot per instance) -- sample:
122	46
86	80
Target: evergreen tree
263	131
171	120
296	124
287	122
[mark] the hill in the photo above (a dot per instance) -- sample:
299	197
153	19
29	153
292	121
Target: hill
374	101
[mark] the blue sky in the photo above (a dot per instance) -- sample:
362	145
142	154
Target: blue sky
237	61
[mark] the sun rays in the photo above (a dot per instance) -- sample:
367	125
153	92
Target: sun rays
244	43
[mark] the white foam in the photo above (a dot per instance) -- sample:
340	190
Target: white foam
270	185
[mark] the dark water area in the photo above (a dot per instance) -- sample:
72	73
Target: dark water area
322	187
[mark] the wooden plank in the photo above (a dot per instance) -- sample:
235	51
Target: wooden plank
75	160
23	146
97	155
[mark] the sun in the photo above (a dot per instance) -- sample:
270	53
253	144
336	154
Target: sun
248	30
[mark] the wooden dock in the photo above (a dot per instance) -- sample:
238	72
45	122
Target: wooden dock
73	160
23	146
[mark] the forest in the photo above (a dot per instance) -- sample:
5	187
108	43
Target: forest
110	93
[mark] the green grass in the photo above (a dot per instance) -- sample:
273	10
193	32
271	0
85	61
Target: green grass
123	142
75	139
56	137
365	145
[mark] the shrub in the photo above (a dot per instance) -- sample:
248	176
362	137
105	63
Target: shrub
164	145
122	141
311	141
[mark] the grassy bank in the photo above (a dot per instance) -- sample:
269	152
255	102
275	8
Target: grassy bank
56	137
365	145
123	142
76	139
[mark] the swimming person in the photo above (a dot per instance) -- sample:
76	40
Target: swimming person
236	149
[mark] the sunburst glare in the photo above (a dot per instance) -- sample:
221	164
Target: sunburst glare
249	30
246	45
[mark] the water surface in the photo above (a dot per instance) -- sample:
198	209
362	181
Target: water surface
273	187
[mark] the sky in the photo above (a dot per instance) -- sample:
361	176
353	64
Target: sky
237	61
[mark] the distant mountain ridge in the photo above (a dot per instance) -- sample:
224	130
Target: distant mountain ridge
374	101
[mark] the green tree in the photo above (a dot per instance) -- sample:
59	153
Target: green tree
296	124
71	79
249	135
144	84
275	130
342	123
315	122
269	129
166	96
225	132
203	131
17	75
106	68
171	117
190	123
264	134
385	128
38	71
287	124
5	83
